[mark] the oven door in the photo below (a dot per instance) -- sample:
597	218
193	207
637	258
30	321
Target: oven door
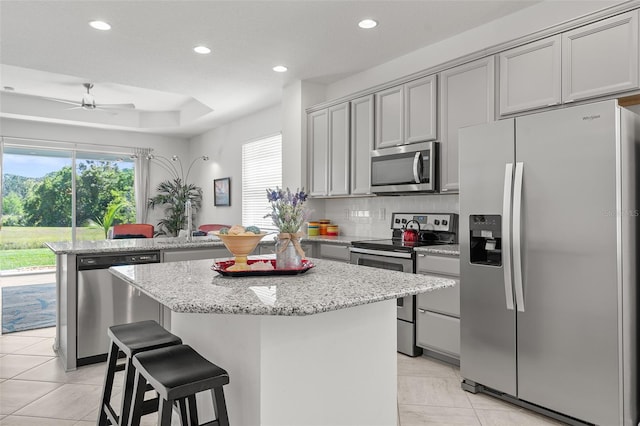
395	261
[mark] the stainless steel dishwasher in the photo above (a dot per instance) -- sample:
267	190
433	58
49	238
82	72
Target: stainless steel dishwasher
104	300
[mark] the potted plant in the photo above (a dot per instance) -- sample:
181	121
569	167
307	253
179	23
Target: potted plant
173	194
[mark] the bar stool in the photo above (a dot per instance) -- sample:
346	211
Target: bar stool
130	339
177	373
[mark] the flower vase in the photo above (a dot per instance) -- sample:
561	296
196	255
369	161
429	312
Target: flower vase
289	254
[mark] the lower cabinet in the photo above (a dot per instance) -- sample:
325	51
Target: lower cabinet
438	312
333	252
440	333
194	254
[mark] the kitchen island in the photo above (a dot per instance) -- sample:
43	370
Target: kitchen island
317	348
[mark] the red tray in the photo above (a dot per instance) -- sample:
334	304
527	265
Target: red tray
221	268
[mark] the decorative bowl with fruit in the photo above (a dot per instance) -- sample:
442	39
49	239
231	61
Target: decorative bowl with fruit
240	241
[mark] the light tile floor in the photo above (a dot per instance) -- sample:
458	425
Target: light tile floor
36	391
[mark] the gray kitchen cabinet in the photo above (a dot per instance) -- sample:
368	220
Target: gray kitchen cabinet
438	312
601	58
466	99
329	156
333	252
389	117
420	107
407	113
339	150
194	254
362	126
531	76
318	139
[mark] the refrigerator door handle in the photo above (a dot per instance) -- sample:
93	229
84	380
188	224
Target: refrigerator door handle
517	236
506	234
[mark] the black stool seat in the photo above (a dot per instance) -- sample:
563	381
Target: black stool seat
130	339
141	336
177	373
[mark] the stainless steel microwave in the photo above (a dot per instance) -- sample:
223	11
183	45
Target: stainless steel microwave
404	169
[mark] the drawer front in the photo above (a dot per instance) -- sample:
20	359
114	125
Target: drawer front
333	251
439	333
443	300
438	264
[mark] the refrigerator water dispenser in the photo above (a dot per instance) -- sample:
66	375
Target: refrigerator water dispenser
486	239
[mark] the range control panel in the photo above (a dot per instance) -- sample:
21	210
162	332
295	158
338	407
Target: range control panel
426	221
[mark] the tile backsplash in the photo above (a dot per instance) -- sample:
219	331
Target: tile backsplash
371	216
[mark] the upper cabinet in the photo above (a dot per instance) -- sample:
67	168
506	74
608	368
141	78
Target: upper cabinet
362	113
338	167
530	76
407	113
318	149
601	58
466	98
420	106
329	151
389	117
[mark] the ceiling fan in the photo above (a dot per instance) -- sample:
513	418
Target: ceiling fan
88	102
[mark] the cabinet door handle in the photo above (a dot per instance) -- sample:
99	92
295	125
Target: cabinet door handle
421	255
422	311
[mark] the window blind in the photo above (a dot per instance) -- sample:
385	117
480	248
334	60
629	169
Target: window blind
261	169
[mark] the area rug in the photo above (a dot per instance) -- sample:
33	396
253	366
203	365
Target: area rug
27	307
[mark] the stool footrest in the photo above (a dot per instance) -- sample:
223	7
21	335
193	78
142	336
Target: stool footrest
120	367
150	406
111	415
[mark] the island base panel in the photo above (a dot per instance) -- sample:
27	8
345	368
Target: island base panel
338	367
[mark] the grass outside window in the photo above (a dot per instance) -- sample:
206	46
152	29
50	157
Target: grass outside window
23	248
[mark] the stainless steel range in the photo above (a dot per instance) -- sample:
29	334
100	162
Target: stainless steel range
399	254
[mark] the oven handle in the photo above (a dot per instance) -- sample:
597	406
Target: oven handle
382	253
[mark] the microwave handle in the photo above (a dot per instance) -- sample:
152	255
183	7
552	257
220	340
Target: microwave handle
417	165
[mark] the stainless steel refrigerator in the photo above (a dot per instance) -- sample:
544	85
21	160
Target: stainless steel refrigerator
548	288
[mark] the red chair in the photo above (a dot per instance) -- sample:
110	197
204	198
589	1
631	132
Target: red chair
132	230
212	227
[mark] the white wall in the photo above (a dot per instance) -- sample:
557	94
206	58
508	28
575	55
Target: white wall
162	145
524	22
223	145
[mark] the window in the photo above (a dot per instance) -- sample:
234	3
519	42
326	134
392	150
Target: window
261	169
44	200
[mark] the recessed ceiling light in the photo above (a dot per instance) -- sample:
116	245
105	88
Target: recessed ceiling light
280	68
100	25
203	50
367	24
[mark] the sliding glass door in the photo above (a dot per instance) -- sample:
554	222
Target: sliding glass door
37	206
59	195
104	194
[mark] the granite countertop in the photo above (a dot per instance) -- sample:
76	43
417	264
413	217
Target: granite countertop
142	244
192	287
133	244
446	249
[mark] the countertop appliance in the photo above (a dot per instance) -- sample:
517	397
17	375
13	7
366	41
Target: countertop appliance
398	254
405	169
548	225
102	301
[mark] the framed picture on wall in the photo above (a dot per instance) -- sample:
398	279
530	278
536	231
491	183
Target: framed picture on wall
222	192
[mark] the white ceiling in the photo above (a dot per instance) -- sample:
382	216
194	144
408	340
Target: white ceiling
47	49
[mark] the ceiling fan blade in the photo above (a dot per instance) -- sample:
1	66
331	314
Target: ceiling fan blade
116	106
64	101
